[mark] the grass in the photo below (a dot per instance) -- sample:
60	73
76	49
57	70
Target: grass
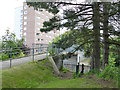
40	75
27	76
72	83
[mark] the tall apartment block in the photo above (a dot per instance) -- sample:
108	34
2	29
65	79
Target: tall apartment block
18	22
32	22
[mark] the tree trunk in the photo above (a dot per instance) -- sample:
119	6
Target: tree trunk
105	35
96	29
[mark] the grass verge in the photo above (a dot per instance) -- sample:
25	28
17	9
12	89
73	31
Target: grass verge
72	83
27	76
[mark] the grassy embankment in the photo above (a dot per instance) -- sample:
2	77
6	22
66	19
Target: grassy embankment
40	75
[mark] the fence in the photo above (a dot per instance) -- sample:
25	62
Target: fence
22	54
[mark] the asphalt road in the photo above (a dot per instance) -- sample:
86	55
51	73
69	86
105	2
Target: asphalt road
19	61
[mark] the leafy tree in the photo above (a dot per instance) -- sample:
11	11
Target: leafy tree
87	18
11	46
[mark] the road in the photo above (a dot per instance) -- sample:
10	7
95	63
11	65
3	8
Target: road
19	61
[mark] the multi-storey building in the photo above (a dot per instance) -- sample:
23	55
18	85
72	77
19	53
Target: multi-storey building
18	22
32	22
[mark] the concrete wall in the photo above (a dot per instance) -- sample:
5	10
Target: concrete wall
58	61
72	67
71	63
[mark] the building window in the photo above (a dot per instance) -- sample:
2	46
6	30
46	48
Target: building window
21	16
20	30
25	28
38	39
20	35
38	23
41	10
46	16
25	12
21	25
37	33
25	17
38	17
21	11
38	12
25	34
25	39
25	7
25	23
42	19
38	29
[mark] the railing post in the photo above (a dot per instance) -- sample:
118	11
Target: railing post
46	51
33	50
10	58
52	50
38	48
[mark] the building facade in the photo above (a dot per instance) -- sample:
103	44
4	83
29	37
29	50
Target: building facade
18	22
32	22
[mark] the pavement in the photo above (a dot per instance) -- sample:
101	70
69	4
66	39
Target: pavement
19	61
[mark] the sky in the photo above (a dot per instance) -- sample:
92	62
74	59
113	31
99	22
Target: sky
7	8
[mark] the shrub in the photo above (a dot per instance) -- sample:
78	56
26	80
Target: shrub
5	57
21	54
110	72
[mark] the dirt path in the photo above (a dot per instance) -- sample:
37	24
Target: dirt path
67	75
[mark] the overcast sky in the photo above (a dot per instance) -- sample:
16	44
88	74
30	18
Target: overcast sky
7	8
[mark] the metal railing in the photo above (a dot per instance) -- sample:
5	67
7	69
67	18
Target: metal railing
9	54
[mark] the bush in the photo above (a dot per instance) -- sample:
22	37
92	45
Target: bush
21	54
5	57
110	72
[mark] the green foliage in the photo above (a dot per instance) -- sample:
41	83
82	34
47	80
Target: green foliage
92	71
110	72
21	54
52	49
18	56
13	46
64	70
76	76
5	57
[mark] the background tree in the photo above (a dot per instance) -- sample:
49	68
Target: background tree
79	16
11	46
